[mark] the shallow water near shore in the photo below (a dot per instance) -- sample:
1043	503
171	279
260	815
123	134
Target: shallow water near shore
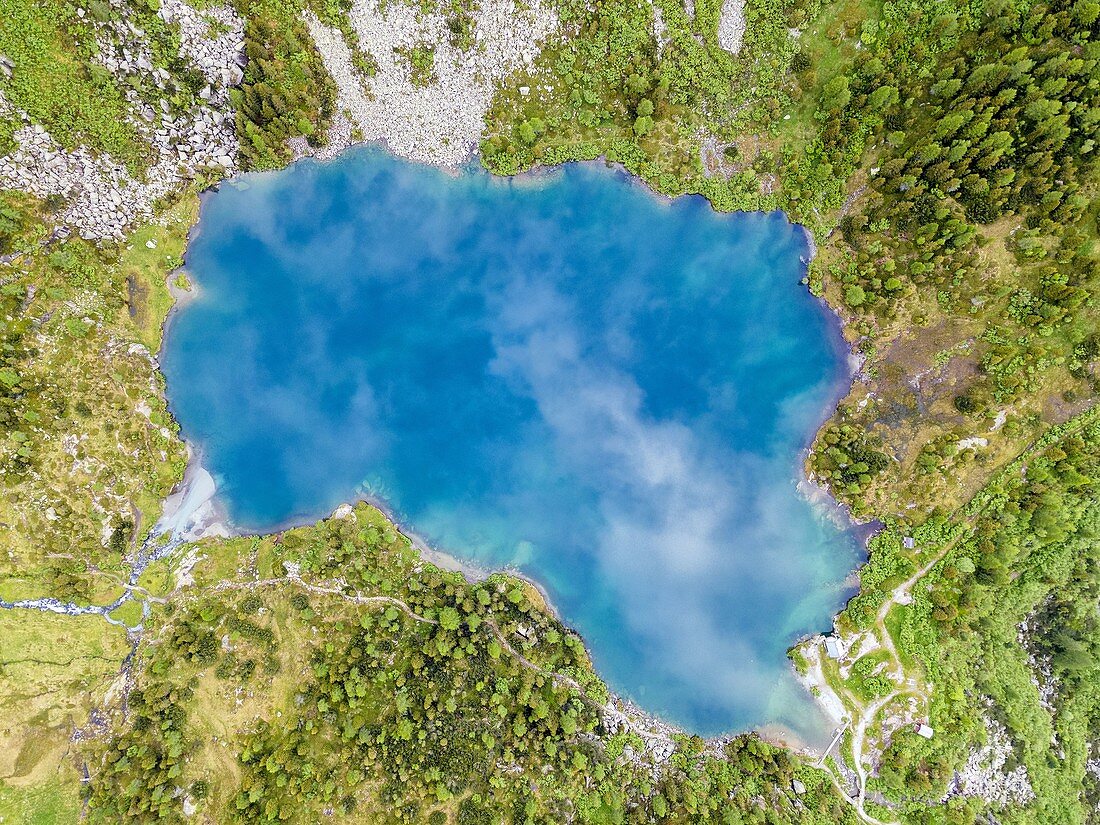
564	373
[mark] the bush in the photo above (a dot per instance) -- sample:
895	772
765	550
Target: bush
855	296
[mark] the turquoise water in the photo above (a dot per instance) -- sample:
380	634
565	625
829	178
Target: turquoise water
564	373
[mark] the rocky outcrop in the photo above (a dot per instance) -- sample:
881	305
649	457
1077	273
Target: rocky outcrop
212	41
1039	664
660	30
731	25
984	774
1092	772
103	198
439	121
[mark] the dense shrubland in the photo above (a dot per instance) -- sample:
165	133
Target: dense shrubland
286	92
1010	605
416	707
55	81
978	217
1006	130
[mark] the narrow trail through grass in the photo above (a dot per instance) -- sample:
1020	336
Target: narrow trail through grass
863	714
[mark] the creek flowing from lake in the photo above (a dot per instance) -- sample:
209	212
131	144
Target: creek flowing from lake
560	373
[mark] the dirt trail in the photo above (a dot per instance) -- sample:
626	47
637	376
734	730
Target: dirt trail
355	598
862	715
605	710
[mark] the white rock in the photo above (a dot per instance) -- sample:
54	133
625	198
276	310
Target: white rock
972	443
731	25
439	123
984	775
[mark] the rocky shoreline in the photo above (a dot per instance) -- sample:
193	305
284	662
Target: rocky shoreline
438	122
192	513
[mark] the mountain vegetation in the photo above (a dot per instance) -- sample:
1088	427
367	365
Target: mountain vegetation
943	157
338	675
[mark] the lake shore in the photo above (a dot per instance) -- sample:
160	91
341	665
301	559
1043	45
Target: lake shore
210	520
193	513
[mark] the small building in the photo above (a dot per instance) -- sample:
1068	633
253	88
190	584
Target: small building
909	542
832	647
923	730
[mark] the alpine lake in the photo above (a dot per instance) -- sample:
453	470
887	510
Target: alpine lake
561	374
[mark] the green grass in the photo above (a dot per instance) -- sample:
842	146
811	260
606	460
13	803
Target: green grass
895	621
13	588
861	681
8	126
59	86
85	427
52	669
129	612
56	802
146	268
157	578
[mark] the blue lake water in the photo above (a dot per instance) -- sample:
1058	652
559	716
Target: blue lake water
563	373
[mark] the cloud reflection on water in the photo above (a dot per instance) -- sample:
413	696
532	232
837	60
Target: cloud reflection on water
604	388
